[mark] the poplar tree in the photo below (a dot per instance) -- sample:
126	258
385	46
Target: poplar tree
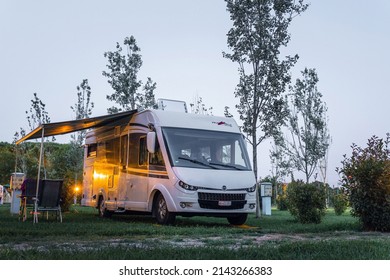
308	138
260	30
37	113
36	116
122	75
82	109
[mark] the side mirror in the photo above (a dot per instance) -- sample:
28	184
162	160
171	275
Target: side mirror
151	142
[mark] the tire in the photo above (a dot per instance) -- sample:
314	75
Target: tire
238	220
161	212
103	212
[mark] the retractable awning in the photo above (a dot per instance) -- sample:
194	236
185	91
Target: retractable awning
58	128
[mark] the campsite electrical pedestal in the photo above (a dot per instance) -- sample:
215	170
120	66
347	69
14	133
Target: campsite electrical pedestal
16	184
266	194
15	202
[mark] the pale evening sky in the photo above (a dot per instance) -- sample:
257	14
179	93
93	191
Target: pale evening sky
49	47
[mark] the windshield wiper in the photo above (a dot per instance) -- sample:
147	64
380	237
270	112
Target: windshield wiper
225	165
197	162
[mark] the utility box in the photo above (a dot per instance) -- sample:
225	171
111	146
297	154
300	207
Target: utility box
266	194
16	182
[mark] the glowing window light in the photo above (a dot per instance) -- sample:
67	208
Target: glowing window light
99	175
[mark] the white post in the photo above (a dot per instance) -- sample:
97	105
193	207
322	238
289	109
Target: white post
35	220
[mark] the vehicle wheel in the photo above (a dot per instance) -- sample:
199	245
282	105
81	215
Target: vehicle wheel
161	212
103	212
238	220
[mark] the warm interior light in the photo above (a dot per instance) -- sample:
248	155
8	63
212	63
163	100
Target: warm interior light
99	175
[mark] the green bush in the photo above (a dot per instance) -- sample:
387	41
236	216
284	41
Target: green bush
340	203
67	194
366	178
281	202
306	202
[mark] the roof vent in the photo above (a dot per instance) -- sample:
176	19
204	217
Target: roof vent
172	105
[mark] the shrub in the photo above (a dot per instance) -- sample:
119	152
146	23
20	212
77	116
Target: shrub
306	202
366	178
340	203
67	195
281	201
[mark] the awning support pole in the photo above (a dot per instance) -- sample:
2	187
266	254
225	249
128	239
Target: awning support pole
35	220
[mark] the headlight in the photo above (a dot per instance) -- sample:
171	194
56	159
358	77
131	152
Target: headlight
252	189
187	187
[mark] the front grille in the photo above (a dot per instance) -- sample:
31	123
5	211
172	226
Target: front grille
221	196
213	200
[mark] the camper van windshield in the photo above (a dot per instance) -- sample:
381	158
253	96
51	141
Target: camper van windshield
206	149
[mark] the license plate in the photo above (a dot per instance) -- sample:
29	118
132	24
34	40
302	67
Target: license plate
224	203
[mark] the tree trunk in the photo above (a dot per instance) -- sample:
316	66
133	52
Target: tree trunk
254	157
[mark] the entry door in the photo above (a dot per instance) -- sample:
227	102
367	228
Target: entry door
87	186
123	189
138	179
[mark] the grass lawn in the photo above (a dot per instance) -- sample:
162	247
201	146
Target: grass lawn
83	235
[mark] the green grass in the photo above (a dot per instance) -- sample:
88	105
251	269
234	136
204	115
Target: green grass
83	235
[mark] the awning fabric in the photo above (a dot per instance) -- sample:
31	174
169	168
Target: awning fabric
52	129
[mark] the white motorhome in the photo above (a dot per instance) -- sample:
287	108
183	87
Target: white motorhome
167	164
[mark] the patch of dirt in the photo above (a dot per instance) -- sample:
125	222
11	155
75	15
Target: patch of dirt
231	242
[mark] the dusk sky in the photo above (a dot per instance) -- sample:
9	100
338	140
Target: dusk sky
49	47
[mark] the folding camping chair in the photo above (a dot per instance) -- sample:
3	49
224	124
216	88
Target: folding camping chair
49	199
28	197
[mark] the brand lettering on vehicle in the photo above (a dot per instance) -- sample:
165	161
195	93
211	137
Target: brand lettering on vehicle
222	123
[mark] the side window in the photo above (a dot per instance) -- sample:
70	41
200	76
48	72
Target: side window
112	151
238	156
227	154
138	155
124	145
91	150
133	150
101	151
156	160
143	152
